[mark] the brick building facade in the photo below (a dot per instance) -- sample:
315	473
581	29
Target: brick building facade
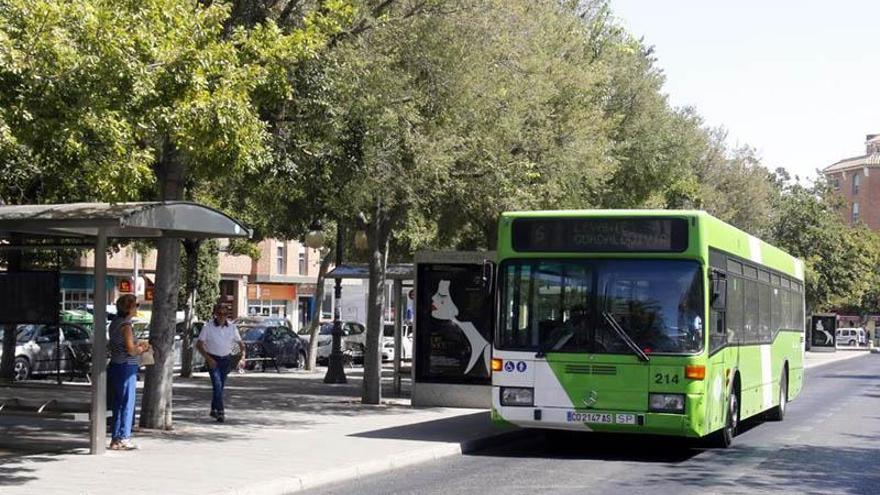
280	283
857	180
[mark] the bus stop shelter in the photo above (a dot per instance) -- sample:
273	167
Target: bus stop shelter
93	224
398	273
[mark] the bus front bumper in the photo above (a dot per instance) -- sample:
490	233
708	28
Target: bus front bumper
642	422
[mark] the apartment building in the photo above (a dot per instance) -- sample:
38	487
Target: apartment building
857	179
280	283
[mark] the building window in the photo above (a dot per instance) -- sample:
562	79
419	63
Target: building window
76	299
281	266
303	269
835	183
855	213
855	184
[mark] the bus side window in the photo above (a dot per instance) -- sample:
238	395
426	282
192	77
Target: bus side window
750	333
735	301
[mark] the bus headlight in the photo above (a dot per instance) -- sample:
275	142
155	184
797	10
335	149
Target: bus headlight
673	403
517	396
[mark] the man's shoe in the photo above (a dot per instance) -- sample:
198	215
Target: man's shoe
221	417
213	413
126	444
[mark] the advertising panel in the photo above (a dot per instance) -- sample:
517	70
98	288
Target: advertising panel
454	324
30	297
822	332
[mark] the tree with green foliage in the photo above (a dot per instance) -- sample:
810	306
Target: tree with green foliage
841	261
200	263
145	99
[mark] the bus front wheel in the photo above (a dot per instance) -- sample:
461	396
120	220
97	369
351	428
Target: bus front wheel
778	412
723	438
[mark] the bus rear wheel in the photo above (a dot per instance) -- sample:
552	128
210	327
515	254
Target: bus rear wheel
778	412
723	438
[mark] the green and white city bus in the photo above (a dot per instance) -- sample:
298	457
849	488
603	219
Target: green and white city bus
643	321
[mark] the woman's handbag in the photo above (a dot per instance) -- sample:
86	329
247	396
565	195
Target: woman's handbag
147	359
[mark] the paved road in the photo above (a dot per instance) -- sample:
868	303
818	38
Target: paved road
828	443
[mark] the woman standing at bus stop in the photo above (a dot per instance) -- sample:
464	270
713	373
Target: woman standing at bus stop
124	363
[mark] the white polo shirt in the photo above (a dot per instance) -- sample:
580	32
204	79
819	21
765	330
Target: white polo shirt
219	340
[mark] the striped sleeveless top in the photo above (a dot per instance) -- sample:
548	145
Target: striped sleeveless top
118	354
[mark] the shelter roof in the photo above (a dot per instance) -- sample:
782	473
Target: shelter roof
120	220
401	271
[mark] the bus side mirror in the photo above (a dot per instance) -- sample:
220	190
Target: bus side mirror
719	292
488	277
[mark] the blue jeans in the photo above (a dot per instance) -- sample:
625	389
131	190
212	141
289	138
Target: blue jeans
218	381
123	380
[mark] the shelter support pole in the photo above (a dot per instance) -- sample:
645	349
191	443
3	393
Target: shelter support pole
399	308
98	427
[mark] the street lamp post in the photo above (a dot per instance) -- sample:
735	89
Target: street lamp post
335	368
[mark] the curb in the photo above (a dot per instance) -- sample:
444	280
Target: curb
846	356
293	484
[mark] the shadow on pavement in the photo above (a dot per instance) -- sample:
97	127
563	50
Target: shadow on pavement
36	442
797	469
289	400
560	444
448	430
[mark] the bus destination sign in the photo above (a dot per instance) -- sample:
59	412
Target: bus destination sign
600	235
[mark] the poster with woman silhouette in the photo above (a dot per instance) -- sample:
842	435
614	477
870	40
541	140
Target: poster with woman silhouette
453	325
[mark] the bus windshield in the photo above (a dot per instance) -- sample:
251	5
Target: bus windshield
571	305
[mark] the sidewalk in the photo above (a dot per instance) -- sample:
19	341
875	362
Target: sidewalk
814	359
284	432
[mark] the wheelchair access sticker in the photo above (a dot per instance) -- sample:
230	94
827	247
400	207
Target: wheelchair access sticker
519	366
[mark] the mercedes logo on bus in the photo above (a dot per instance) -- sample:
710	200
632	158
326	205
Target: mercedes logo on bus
591	399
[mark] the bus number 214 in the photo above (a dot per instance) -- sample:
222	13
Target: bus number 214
665	378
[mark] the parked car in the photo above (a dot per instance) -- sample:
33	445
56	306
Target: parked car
851	336
406	339
256	320
272	345
44	349
142	332
354	340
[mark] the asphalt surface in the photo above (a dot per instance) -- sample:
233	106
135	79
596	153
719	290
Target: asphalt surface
828	443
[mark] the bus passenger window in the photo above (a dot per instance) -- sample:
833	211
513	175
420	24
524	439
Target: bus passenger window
750	327
735	302
763	312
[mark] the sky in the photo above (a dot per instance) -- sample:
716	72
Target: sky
792	79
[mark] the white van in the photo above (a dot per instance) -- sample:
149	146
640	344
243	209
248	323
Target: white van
851	336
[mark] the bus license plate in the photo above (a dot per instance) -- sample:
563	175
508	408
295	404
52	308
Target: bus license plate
589	417
601	418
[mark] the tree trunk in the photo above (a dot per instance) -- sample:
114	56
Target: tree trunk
315	324
7	362
191	247
377	234
156	405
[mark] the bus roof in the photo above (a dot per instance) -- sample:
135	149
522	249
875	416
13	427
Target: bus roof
713	233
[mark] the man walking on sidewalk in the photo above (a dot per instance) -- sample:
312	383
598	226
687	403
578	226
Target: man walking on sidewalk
216	341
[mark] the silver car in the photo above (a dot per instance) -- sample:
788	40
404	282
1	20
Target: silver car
354	340
43	349
142	332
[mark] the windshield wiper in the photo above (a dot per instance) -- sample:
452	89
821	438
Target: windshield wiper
624	336
542	350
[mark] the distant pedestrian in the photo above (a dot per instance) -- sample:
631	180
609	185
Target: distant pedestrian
124	363
216	341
